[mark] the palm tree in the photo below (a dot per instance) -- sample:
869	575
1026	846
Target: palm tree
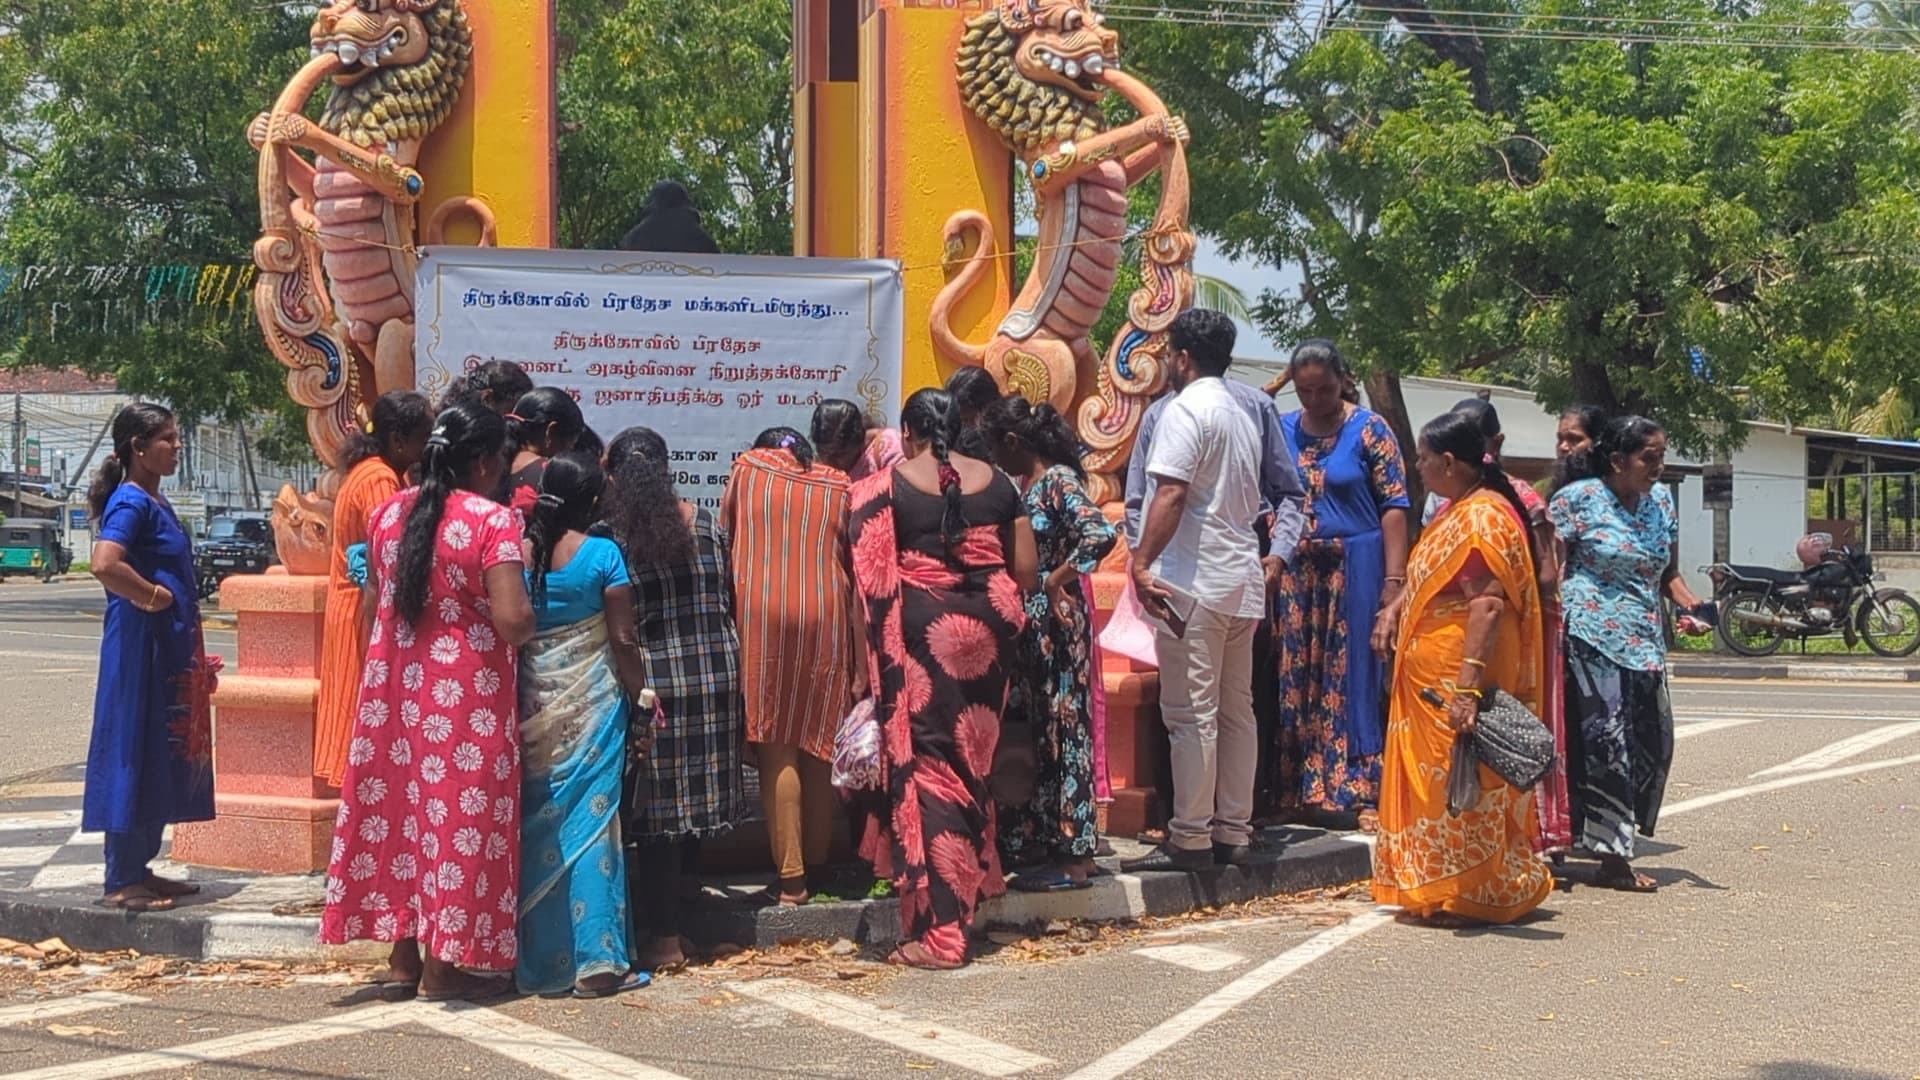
1222	296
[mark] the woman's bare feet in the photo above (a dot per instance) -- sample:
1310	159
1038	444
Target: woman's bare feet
1369	820
403	965
141	897
1618	873
662	956
441	981
1077	869
913	954
170	887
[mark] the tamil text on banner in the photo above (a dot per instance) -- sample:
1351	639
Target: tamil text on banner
708	350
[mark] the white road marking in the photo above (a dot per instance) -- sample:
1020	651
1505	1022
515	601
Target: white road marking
535	1047
1193	957
70	876
1851	746
80	1003
1701	802
1229	997
45	819
922	1038
360	1022
1219	927
12	858
1688	729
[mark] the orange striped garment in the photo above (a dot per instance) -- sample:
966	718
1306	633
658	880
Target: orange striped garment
793	595
343	651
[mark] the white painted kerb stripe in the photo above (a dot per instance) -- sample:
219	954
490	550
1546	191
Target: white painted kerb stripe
922	1038
1851	746
1703	801
1227	998
535	1047
49	1010
1701	727
226	1048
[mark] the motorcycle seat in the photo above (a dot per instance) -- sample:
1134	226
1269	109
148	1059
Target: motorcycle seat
1766	574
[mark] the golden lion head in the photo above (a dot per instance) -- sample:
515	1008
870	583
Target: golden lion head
402	63
1031	69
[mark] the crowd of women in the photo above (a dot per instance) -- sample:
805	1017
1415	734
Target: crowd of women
544	670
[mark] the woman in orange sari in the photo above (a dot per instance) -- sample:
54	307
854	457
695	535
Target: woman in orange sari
1469	621
375	466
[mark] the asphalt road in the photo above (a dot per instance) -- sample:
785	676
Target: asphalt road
49	657
1782	945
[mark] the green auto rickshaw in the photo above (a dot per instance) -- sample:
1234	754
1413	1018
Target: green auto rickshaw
32	546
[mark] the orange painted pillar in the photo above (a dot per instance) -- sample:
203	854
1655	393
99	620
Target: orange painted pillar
886	153
497	145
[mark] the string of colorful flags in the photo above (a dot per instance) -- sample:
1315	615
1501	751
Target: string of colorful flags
57	298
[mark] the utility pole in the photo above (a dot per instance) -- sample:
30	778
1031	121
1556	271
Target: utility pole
19	451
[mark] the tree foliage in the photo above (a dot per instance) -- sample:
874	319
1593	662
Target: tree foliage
694	90
122	142
1699	231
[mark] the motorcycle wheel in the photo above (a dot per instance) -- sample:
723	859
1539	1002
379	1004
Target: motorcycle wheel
1890	624
1744	637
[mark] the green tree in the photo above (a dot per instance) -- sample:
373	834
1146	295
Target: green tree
697	91
122	142
1701	231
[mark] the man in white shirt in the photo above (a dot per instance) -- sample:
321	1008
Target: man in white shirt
1197	570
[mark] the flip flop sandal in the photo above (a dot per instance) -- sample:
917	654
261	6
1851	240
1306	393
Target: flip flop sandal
634	981
1047	882
1628	882
171	887
899	958
492	990
138	904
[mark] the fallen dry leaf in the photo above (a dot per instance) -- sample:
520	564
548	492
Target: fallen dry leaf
1544	1016
78	1031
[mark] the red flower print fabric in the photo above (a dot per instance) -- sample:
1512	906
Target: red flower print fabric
427	842
943	627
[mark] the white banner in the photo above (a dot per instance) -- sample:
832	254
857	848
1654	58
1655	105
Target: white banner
708	350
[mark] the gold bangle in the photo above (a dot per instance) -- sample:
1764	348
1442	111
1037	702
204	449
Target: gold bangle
1471	662
153	599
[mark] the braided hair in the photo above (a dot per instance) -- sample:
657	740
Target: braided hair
1040	427
462	437
539	410
839	430
932	414
1623	435
137	422
397	416
570	490
495	385
786	438
1460	433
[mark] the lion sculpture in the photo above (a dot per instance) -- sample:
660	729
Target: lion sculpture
1036	71
338	233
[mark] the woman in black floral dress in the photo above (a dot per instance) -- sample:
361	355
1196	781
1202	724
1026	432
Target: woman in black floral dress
1056	825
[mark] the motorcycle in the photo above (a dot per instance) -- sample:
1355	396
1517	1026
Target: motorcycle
1833	593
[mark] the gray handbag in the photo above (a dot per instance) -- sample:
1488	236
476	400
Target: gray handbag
1512	741
1508	739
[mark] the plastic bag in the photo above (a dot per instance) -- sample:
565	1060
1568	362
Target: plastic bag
857	765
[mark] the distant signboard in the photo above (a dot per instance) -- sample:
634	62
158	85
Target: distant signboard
33	457
76	517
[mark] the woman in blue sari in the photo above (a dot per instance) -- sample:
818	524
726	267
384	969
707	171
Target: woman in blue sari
576	677
1337	594
150	763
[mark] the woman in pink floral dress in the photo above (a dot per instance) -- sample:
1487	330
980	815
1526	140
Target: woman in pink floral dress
426	847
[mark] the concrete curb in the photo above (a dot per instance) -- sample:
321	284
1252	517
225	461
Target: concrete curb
1794	670
202	932
1317	861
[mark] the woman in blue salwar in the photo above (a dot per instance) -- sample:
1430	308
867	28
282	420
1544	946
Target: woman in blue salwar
576	677
150	763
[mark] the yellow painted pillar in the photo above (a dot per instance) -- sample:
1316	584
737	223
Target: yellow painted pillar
886	153
510	161
927	156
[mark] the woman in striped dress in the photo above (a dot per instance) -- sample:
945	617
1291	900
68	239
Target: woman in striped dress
688	786
793	585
